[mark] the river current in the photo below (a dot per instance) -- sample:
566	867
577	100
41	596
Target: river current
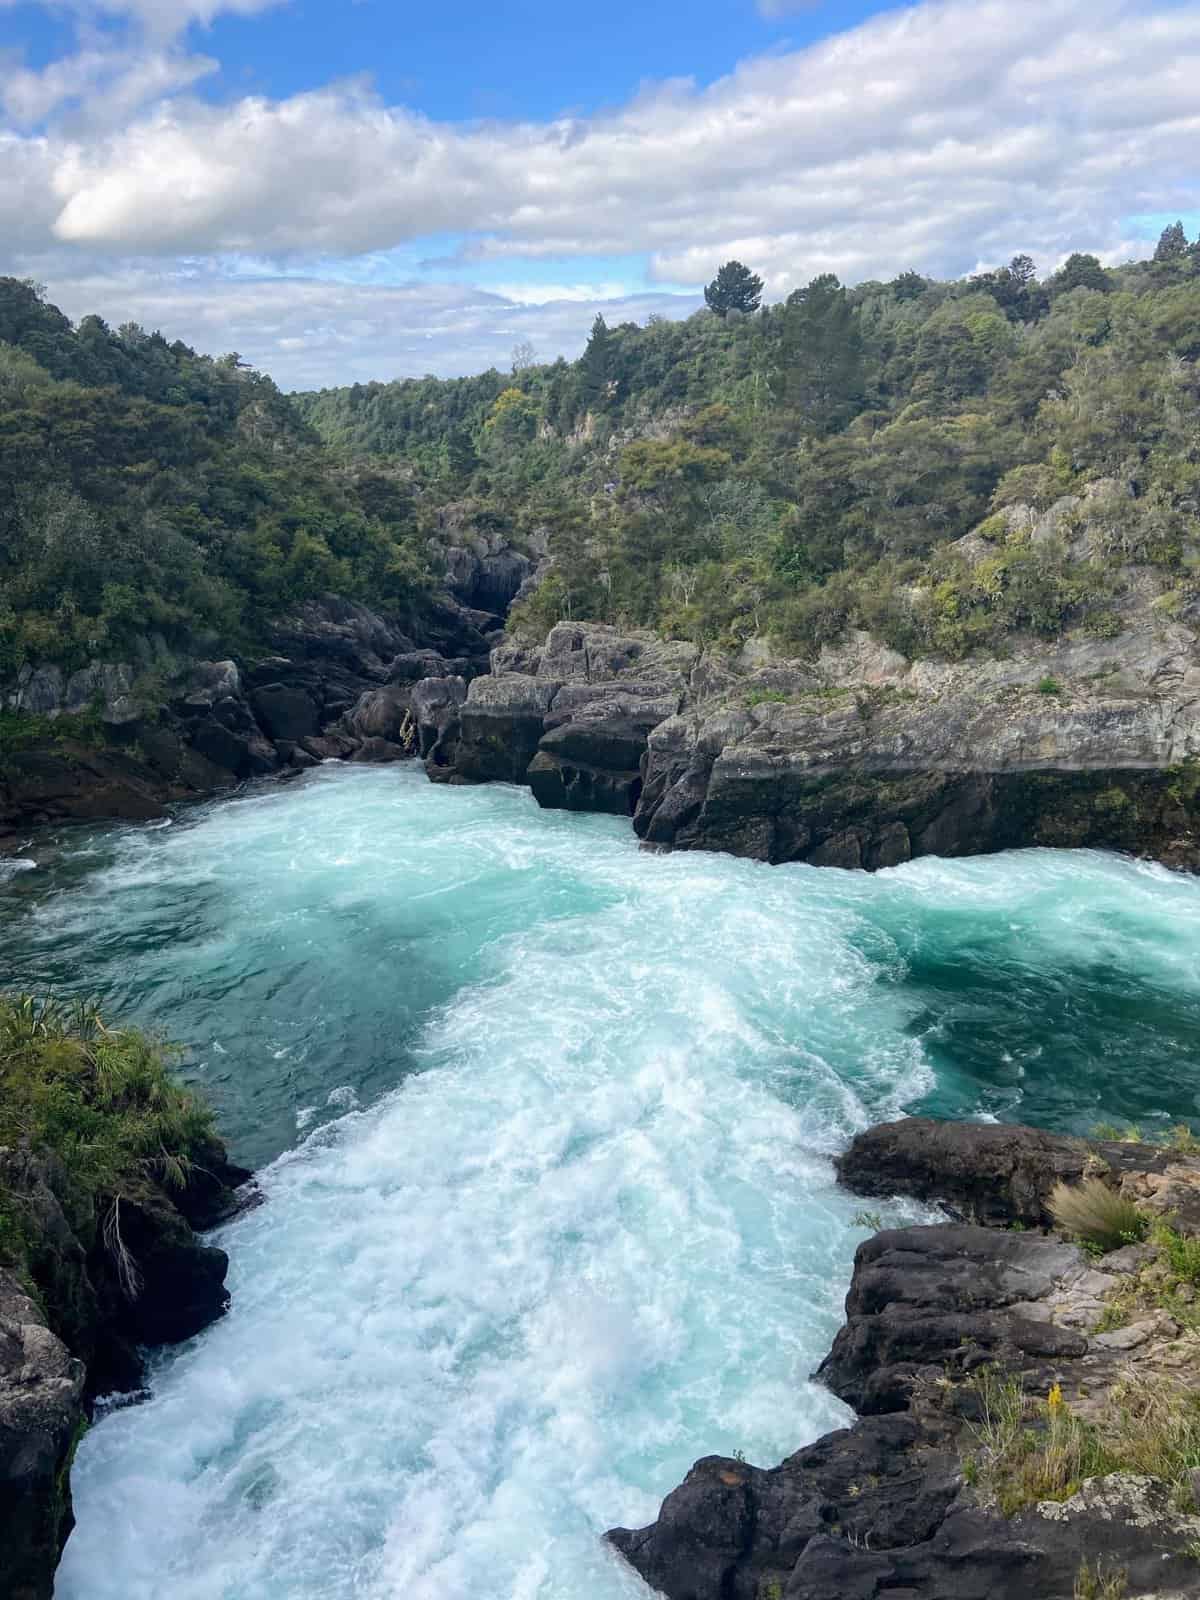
544	1125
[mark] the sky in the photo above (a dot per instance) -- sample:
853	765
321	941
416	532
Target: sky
347	190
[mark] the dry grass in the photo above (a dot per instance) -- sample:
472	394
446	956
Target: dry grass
1096	1215
1093	1583
1032	1450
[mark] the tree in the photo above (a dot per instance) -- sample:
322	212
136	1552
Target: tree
524	356
909	285
1015	289
735	288
513	418
596	366
819	371
1172	244
1080	271
461	456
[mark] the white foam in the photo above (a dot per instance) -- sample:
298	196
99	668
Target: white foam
595	1237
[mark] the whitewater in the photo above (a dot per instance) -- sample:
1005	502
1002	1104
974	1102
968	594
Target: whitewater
544	1127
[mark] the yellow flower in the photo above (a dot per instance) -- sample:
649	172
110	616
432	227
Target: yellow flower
1055	1401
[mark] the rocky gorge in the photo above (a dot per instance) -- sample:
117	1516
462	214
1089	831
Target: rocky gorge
946	1325
857	758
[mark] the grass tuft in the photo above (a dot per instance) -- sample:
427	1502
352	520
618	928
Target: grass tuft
101	1099
1097	1215
1093	1583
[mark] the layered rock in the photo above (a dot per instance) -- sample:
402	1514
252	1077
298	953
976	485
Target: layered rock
572	719
868	760
890	1505
860	758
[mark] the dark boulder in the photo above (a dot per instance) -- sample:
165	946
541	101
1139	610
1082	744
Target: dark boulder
989	1172
946	1300
436	704
501	725
285	711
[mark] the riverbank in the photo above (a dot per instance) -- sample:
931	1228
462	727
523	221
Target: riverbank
108	1172
1029	1412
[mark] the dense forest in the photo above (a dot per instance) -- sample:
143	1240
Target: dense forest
788	470
145	489
798	468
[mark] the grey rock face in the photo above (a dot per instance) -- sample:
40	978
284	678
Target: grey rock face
572	719
41	1413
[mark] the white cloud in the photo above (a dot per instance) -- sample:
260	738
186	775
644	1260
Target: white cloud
942	136
161	19
954	129
112	83
308	333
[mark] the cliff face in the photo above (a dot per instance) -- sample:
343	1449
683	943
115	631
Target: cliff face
945	1326
91	1292
338	682
861	758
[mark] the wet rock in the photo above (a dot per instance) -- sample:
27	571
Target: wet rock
41	1415
501	725
989	1172
884	1507
436	705
384	713
111	1276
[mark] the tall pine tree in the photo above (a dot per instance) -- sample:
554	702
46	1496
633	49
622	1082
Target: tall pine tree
818	374
595	374
735	288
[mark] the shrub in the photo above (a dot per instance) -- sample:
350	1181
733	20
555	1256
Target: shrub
102	1099
1049	685
1097	1215
1182	1254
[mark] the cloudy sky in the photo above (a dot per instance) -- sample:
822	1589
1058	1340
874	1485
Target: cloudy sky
352	189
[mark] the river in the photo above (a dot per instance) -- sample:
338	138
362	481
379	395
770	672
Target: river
544	1125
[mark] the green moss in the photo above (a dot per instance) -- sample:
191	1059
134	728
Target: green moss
1113	799
21	731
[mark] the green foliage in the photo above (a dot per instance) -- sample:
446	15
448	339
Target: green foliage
1098	1583
101	1099
868	1219
1097	1215
859	434
735	288
144	488
1181	1253
1049	686
1029	1450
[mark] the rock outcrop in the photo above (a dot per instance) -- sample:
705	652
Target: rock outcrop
572	719
860	758
894	1505
41	1415
338	682
95	1284
868	760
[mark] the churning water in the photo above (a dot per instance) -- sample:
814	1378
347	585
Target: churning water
545	1128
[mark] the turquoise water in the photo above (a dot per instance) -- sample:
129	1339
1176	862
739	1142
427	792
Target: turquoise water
545	1125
